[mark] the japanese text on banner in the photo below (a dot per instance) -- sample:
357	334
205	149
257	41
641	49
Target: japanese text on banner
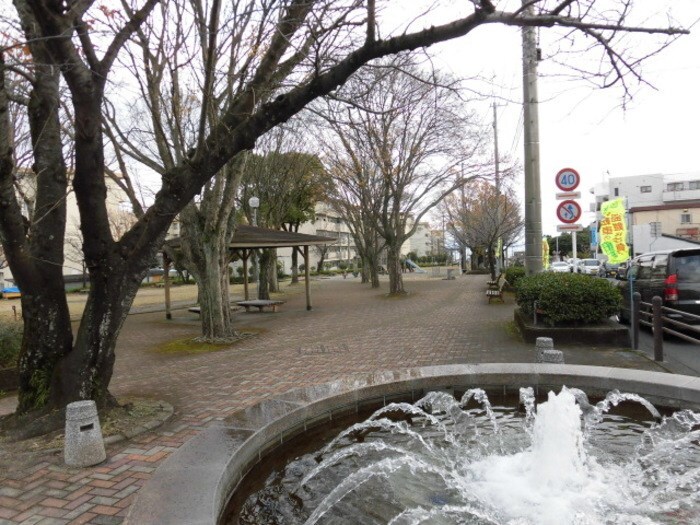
613	231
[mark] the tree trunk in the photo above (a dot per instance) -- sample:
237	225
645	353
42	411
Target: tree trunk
265	262
491	262
394	269
208	262
86	371
321	261
274	281
214	299
47	338
295	265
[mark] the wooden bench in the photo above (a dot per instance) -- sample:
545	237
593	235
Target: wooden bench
260	304
198	310
495	283
495	293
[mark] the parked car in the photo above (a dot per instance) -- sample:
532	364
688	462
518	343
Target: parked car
560	267
609	270
673	275
588	266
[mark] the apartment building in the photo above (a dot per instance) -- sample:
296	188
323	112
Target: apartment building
329	223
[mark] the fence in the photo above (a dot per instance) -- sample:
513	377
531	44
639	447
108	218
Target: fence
657	316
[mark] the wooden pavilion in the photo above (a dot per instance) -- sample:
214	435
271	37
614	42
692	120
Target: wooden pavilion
244	241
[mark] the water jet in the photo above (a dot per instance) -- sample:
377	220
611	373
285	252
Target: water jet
195	483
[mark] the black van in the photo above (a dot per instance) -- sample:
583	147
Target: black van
673	275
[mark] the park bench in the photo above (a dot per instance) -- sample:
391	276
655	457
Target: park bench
494	283
198	310
495	293
260	304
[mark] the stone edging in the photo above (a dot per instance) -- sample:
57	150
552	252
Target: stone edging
608	333
193	485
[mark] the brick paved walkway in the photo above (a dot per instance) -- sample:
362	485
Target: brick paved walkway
352	329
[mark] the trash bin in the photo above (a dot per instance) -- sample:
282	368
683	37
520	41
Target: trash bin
83	446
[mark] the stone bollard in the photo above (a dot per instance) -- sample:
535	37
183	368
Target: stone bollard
542	344
84	446
552	356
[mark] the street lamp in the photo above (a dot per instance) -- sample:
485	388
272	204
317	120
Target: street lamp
254	203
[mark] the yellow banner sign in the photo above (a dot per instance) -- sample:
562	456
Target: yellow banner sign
613	231
545	254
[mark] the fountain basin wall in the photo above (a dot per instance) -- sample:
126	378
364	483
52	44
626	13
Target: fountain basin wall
194	484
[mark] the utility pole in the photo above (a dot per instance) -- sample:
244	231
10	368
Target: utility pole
497	179
533	202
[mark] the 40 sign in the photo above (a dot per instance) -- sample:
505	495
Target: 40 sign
569	212
568	179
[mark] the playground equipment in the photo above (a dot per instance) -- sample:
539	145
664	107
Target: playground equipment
413	266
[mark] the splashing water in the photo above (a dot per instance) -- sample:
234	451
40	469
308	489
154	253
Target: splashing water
567	462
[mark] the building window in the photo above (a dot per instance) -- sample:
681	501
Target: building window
645	189
685	218
616	192
674	186
694	185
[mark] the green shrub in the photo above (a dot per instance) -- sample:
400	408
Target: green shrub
10	343
514	274
568	299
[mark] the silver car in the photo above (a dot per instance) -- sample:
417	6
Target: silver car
588	266
560	267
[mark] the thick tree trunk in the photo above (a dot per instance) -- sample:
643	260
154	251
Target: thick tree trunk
37	258
274	281
208	262
394	269
47	338
214	299
266	260
85	373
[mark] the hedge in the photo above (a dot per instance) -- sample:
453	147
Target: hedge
10	343
514	274
568	298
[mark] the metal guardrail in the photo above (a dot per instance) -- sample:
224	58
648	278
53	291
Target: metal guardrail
654	314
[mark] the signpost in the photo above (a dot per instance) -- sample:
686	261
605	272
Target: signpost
569	211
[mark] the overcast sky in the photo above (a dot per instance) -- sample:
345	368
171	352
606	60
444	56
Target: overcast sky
584	128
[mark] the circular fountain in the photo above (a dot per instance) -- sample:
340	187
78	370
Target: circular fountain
501	465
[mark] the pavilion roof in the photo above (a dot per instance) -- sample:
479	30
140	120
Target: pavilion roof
249	237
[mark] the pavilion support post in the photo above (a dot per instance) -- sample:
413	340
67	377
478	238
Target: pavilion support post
307	277
166	285
245	255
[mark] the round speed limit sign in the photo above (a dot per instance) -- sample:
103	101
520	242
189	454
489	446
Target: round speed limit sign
569	212
568	179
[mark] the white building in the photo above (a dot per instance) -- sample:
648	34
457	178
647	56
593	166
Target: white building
421	242
664	209
327	223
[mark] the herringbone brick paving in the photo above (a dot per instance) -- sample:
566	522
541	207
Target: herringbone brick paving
352	329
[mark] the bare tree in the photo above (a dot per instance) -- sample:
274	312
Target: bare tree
482	216
294	51
356	195
408	142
